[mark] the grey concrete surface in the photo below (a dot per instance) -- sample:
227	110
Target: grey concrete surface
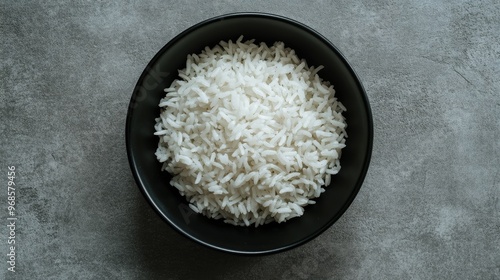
430	205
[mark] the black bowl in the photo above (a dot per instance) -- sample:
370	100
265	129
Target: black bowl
166	200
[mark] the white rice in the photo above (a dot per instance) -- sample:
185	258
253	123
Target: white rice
251	133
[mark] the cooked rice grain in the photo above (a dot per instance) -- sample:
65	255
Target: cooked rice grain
251	133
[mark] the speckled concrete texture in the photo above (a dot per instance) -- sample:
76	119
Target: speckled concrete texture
429	207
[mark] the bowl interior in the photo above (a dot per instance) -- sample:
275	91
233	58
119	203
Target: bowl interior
141	143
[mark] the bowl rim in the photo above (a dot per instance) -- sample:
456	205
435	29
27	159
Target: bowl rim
174	40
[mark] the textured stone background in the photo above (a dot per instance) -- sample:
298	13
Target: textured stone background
429	207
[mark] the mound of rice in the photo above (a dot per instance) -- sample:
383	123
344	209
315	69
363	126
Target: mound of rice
250	132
